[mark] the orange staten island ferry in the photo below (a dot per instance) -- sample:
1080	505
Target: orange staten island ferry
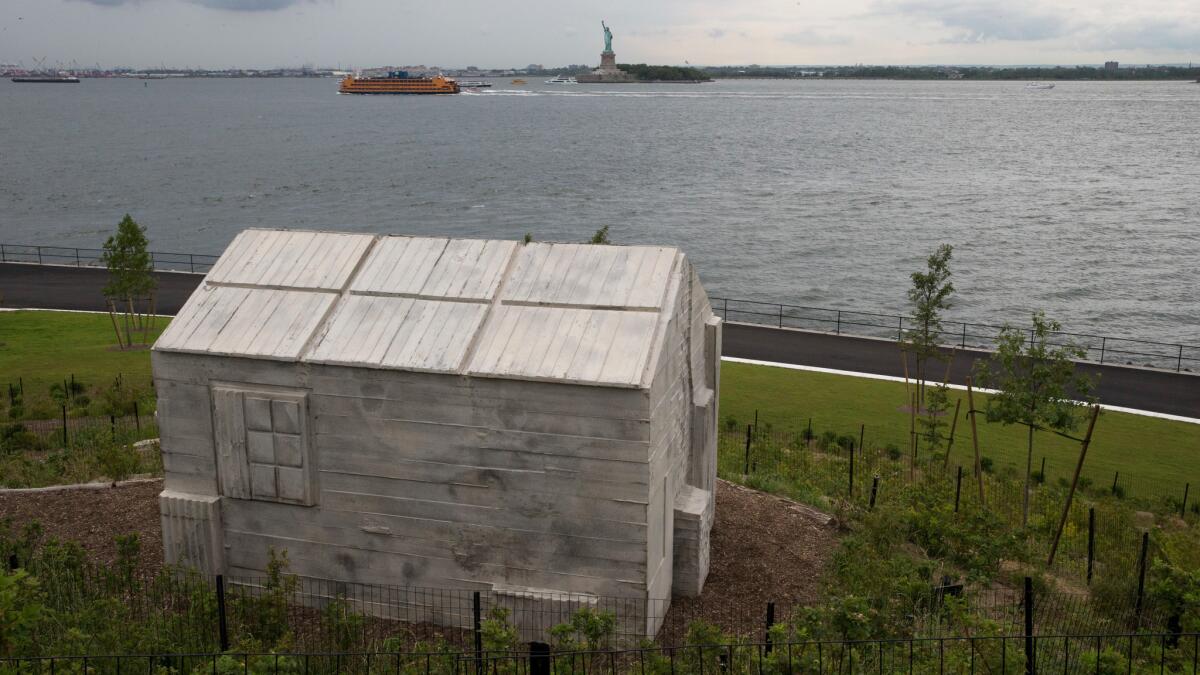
398	82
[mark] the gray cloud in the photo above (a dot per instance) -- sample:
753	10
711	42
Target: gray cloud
1149	34
812	38
230	5
984	20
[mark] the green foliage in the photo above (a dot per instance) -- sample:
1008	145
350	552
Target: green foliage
130	270
928	297
934	425
499	635
645	72
263	613
344	624
600	236
528	238
588	630
1177	590
21	613
117	461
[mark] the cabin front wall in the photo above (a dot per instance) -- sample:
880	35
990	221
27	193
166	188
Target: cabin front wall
405	479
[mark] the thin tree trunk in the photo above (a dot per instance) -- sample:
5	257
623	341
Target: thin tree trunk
912	433
112	314
1028	479
1083	448
953	426
975	438
128	333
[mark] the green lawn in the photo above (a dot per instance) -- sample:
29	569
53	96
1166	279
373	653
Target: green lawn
39	348
44	347
1153	452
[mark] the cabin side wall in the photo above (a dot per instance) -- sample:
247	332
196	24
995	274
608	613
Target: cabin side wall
683	442
420	479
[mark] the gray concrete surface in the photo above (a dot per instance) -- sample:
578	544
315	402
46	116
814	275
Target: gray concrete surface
54	287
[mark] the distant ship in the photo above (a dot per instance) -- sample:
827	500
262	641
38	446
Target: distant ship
57	79
519	81
474	84
398	82
1040	85
560	79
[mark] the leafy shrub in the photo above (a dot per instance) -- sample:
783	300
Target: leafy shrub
499	635
117	461
731	423
343	623
893	451
263	614
588	630
987	464
827	440
21	613
845	441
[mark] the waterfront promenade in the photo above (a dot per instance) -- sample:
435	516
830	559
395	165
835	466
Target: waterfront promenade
79	288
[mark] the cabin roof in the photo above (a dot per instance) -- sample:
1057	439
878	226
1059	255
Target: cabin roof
579	313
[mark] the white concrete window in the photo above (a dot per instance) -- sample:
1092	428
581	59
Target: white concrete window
263	445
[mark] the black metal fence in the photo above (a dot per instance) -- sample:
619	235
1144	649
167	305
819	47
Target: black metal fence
962	334
92	257
1071	655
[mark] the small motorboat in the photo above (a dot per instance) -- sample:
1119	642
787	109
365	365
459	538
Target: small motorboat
560	79
519	81
1039	85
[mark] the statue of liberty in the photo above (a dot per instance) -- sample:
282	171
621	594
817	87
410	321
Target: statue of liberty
607	38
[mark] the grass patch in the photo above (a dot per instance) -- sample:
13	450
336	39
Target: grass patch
1147	451
42	348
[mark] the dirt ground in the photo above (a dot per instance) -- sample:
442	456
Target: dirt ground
93	518
764	548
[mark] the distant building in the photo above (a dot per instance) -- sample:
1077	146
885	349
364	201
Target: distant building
535	66
1111	66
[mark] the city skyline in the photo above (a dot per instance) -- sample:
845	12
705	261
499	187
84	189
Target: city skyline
363	33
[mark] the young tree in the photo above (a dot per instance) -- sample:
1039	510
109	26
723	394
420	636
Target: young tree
1036	384
934	423
600	237
928	297
131	280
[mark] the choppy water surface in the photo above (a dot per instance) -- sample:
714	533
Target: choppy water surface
1082	200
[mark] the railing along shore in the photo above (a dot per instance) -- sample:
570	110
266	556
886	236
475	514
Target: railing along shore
1103	349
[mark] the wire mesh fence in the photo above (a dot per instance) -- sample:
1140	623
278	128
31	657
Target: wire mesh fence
1070	655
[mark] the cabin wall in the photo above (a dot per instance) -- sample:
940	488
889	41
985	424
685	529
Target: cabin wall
427	480
683	448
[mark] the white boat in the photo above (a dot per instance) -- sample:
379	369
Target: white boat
1040	85
474	84
559	79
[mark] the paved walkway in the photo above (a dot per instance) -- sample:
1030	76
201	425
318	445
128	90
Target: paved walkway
55	287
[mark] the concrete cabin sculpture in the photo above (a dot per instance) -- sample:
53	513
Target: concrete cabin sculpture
522	420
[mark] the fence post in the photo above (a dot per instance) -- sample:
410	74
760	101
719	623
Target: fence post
749	430
781	316
77	263
1116	474
862	431
112	420
64	413
39	250
191	263
477	615
838	330
222	624
958	488
539	658
1091	553
1179	361
1183	506
850	493
137	420
1103	344
1043	472
900	330
3	254
1137	610
1030	652
874	491
770	622
13	562
964	336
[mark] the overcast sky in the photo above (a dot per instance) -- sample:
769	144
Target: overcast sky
486	33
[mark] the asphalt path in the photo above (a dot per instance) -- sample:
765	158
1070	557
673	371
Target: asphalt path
79	288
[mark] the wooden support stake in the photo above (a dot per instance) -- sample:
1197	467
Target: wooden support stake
975	438
953	427
1083	448
912	436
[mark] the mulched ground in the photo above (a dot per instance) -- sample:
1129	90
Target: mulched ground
764	548
93	518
